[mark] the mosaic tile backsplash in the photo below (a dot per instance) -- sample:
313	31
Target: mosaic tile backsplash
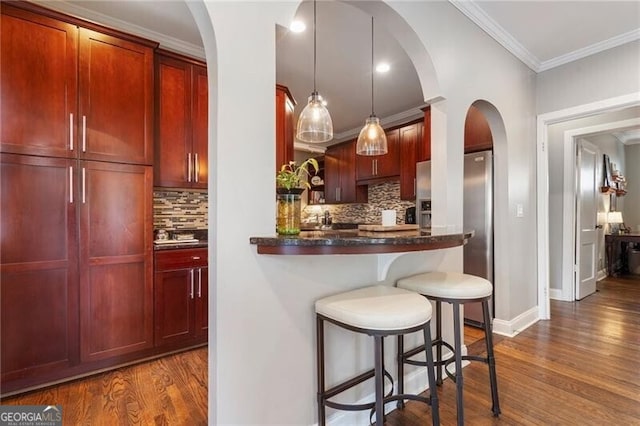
174	210
381	196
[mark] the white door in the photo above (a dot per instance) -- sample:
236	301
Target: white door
588	163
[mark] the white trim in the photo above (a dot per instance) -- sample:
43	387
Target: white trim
474	12
570	199
602	274
399	118
555	294
542	178
516	325
590	50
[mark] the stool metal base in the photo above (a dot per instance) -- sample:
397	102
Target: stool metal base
378	373
457	357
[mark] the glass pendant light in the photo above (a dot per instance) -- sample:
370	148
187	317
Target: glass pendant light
314	123
372	139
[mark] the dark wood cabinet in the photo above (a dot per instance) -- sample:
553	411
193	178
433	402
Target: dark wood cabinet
340	175
477	134
181	111
69	91
410	139
181	295
370	168
39	266
284	126
116	263
424	147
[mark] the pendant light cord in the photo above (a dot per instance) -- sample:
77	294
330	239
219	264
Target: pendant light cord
372	112
314	46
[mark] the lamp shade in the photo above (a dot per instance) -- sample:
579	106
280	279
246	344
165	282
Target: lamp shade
614	217
372	139
314	122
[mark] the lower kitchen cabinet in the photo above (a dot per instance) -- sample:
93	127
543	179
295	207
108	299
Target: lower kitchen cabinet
181	294
39	267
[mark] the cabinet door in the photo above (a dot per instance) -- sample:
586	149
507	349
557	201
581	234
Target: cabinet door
173	115
115	115
332	161
174	293
424	148
350	192
380	166
116	291
388	165
284	126
38	88
202	302
477	134
39	291
200	122
408	145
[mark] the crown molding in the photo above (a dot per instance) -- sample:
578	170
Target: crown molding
389	121
474	12
167	42
591	50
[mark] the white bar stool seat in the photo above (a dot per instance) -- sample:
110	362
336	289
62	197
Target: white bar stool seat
377	311
457	289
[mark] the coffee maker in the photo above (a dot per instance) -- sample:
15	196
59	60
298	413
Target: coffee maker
410	215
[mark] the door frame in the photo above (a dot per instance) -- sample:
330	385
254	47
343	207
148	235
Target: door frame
542	182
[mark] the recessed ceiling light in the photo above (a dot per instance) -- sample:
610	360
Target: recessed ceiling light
297	26
383	67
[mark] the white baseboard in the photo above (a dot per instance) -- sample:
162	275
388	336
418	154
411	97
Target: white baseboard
415	383
602	274
516	325
555	294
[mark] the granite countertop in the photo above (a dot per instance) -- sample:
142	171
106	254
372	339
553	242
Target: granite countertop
353	241
181	245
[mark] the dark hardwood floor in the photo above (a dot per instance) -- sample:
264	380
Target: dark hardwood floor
580	368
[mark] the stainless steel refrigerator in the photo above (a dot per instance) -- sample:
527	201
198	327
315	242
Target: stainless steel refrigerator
478	215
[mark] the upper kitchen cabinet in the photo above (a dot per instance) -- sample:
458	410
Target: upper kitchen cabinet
72	89
372	168
410	143
424	147
181	122
284	126
477	134
39	83
340	175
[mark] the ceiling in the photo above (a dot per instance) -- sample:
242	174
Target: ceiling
542	34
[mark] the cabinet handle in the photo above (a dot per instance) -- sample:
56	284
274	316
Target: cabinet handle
376	167
70	184
340	194
195	257
84	186
199	283
71	132
414	186
373	167
196	167
191	274
189	167
84	133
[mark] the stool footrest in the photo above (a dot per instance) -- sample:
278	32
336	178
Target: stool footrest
331	392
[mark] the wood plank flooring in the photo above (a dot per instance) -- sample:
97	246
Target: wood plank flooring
580	368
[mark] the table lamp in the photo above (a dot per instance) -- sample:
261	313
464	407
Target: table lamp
615	220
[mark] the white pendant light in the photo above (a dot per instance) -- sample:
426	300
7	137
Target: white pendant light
314	123
372	139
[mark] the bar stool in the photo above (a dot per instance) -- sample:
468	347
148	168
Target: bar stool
457	289
377	311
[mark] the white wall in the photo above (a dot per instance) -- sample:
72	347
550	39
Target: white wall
631	212
262	339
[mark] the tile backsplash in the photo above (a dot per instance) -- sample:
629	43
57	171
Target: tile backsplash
381	196
174	210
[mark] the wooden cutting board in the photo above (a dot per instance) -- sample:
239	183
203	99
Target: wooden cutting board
381	228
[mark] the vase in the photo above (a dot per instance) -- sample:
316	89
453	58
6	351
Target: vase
288	214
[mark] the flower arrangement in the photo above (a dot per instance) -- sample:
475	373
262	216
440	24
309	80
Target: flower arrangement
290	175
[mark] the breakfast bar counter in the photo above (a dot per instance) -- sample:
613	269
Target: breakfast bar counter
353	241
